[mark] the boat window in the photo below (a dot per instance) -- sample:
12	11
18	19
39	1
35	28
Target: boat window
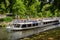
50	22
56	21
44	22
16	25
33	24
24	25
29	25
36	24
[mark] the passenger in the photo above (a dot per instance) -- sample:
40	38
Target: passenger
21	20
24	20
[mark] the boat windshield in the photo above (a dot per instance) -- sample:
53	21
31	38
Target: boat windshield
16	25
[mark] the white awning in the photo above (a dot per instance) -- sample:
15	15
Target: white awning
47	20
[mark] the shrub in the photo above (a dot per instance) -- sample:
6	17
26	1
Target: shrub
3	26
8	19
1	19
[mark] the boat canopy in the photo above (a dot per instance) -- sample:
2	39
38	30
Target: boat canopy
48	20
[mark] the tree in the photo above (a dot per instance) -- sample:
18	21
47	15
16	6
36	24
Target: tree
19	8
57	3
3	6
46	7
49	14
56	12
32	8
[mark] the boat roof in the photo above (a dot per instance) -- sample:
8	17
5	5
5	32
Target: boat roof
48	20
30	21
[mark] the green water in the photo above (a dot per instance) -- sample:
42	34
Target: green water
3	34
54	34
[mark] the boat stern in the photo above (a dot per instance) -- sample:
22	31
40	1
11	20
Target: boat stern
8	28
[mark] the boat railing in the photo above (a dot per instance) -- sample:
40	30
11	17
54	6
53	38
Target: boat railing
36	20
50	18
22	21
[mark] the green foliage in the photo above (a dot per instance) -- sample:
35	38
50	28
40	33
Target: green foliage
4	6
8	19
19	8
46	7
40	14
31	8
1	20
56	12
3	26
34	9
48	13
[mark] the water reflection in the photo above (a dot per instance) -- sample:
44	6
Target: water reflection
19	34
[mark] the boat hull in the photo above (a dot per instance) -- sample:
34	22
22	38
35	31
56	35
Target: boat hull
28	28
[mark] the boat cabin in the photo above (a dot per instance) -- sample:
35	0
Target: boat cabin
26	24
35	23
51	22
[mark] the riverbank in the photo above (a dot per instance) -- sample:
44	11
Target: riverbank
53	34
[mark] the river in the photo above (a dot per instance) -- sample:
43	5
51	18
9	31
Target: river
14	35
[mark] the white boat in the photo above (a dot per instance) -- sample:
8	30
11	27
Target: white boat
30	24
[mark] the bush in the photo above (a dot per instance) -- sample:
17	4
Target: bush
1	19
8	19
2	26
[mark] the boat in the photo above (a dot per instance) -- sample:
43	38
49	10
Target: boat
31	24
